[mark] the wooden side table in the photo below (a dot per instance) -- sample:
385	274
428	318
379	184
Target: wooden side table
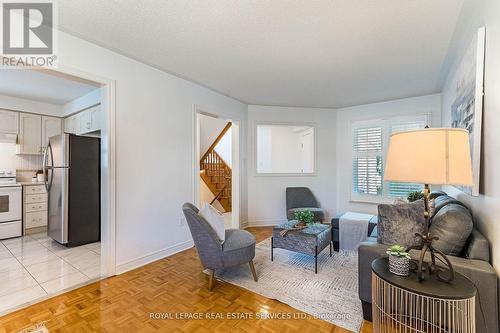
403	304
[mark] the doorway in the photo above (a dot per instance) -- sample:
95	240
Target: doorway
48	266
216	169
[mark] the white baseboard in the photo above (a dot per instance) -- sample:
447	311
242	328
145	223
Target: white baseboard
153	256
264	223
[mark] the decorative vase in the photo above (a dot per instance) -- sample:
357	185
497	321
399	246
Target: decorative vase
399	265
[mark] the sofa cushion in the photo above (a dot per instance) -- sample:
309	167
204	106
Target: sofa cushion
398	224
453	225
444	200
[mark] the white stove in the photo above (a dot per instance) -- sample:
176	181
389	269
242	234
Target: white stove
10	205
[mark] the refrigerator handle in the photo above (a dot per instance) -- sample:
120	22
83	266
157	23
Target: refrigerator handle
48	184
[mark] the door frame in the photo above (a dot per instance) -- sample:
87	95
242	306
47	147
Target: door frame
235	163
108	160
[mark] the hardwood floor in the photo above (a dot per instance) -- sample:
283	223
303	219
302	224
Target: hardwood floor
176	284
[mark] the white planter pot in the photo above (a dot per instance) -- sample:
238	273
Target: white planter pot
399	265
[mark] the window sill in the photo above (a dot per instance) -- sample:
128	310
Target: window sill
372	201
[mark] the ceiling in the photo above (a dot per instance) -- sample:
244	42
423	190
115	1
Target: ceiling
41	87
322	53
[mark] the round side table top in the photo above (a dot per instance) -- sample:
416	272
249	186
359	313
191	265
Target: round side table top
459	288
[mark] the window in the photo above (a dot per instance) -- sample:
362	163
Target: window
370	140
284	149
367	160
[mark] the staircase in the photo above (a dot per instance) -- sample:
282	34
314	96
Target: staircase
217	174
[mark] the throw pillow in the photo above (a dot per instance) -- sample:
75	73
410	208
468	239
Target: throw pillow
453	225
215	219
397	224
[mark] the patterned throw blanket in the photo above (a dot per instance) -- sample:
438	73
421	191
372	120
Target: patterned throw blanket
296	227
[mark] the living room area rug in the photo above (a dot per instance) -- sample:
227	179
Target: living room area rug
330	295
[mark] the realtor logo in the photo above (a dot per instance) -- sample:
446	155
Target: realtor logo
28	34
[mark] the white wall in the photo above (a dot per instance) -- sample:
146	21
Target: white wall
81	103
154	148
225	147
278	149
210	128
345	116
486	207
27	105
266	194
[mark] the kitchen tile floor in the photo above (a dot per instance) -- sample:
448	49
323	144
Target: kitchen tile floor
35	266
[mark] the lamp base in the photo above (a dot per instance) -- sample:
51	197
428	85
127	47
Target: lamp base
431	267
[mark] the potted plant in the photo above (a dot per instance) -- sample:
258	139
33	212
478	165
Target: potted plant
415	195
305	217
399	260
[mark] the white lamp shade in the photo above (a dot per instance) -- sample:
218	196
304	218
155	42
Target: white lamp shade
430	156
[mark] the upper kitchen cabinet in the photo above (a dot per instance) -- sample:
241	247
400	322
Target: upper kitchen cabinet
84	122
51	126
90	120
30	134
72	124
8	122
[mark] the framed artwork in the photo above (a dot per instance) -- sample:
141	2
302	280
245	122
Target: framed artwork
467	108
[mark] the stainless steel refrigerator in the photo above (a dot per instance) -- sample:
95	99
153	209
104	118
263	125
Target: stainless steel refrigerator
73	182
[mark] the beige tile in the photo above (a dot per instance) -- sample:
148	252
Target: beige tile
21	297
50	270
87	260
9	263
64	282
92	272
15	281
35	258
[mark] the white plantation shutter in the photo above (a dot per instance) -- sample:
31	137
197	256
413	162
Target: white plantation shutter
369	142
367	160
401	190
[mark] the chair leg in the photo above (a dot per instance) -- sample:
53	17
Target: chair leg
330	249
252	268
211	280
316	260
272	249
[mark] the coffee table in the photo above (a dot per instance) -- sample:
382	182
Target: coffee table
311	240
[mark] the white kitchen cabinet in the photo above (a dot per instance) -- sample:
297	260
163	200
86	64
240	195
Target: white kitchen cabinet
72	124
30	134
50	126
35	212
95	115
85	122
9	122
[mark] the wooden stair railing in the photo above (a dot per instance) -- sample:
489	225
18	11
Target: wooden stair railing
217	174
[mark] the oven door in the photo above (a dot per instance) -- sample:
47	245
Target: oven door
10	204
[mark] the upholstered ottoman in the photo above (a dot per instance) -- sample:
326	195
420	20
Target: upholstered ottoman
372	230
311	240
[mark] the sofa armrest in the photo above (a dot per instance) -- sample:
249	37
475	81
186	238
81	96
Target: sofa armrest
484	276
478	247
368	251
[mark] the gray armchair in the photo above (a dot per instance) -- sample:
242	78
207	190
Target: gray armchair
301	198
238	247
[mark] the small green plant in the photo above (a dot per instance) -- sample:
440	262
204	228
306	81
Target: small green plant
305	216
415	195
398	251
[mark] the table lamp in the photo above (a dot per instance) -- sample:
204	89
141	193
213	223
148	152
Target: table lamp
439	156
